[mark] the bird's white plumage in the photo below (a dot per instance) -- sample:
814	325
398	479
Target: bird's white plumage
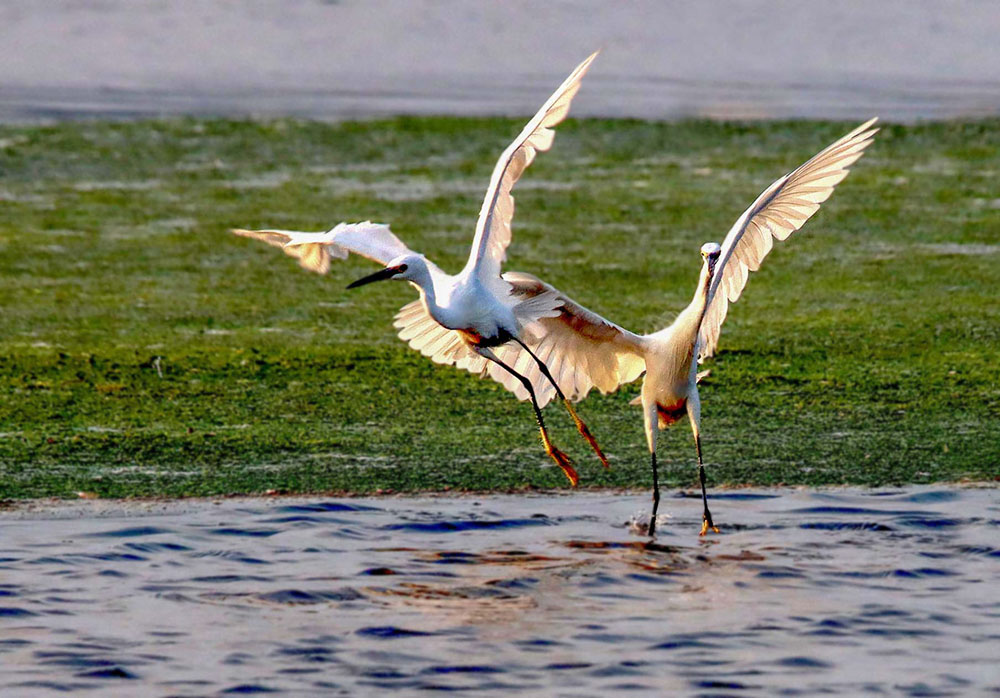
493	233
443	346
778	212
533	301
468	318
584	350
314	250
581	349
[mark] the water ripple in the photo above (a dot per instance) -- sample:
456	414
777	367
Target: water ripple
470	525
805	593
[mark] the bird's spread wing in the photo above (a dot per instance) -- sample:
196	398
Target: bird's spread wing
312	257
441	345
581	349
493	227
777	213
314	250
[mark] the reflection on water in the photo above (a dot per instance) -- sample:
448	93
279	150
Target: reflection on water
837	592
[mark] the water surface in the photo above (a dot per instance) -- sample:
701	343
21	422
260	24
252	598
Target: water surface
839	592
335	59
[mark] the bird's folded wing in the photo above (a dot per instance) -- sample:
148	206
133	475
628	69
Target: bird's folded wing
493	227
777	213
314	250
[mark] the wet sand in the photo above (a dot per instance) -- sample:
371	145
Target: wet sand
849	59
832	592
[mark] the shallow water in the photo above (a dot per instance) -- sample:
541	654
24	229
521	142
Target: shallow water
838	592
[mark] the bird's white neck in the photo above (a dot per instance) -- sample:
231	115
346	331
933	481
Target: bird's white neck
436	288
685	326
693	314
420	275
700	300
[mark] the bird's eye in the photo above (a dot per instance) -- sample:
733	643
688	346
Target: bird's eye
401	268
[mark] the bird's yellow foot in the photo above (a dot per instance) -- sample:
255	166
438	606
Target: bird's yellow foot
585	432
707	525
561	459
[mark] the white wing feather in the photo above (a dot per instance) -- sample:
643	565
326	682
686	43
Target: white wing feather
441	345
314	250
777	213
489	247
582	350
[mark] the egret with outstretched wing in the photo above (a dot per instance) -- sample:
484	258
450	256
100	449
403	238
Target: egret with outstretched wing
583	350
467	318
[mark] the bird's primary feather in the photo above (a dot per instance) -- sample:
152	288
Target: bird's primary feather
778	212
314	250
493	233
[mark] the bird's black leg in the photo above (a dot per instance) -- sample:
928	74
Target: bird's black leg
561	459
706	523
656	497
580	426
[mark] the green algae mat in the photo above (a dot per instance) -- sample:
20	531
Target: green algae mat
146	351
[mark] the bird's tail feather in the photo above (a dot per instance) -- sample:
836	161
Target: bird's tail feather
529	309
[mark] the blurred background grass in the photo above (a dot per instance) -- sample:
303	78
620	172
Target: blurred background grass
144	350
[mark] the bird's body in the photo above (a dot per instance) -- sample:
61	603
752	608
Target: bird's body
466	318
669	359
461	303
586	351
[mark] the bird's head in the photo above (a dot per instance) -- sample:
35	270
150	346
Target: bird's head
404	268
710	252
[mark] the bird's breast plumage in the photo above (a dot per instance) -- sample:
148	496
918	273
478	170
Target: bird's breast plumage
668	368
465	306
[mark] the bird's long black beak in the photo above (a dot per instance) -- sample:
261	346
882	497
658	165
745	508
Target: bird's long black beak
380	275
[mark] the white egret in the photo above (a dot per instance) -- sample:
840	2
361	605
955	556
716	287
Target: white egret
464	319
584	350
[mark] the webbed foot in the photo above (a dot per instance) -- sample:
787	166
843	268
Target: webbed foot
561	459
707	525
